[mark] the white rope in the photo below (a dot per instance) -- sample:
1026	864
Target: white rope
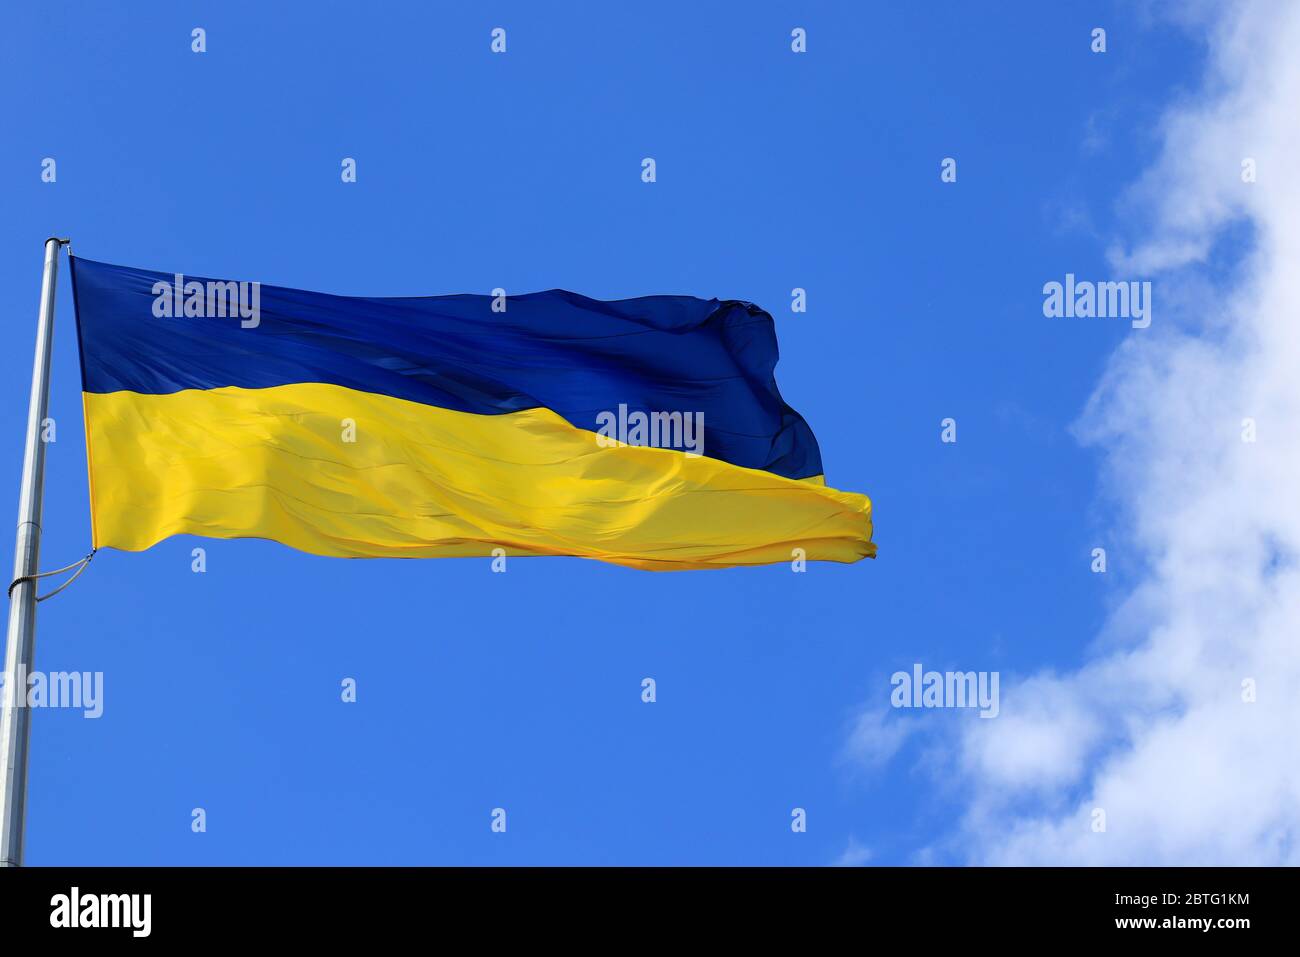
80	567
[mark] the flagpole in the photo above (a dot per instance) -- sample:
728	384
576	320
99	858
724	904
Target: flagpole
15	719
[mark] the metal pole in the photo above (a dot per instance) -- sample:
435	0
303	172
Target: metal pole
15	720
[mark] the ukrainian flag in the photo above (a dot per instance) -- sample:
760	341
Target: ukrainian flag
447	426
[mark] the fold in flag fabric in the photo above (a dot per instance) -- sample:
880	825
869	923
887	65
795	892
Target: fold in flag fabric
646	432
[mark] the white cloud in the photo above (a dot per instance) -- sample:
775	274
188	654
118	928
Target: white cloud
1153	729
876	737
855	855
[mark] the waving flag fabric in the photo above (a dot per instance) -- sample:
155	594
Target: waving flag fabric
647	432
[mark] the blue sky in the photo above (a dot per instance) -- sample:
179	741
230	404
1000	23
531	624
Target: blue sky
476	690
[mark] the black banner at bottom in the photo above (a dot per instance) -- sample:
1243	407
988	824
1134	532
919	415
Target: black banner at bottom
336	905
